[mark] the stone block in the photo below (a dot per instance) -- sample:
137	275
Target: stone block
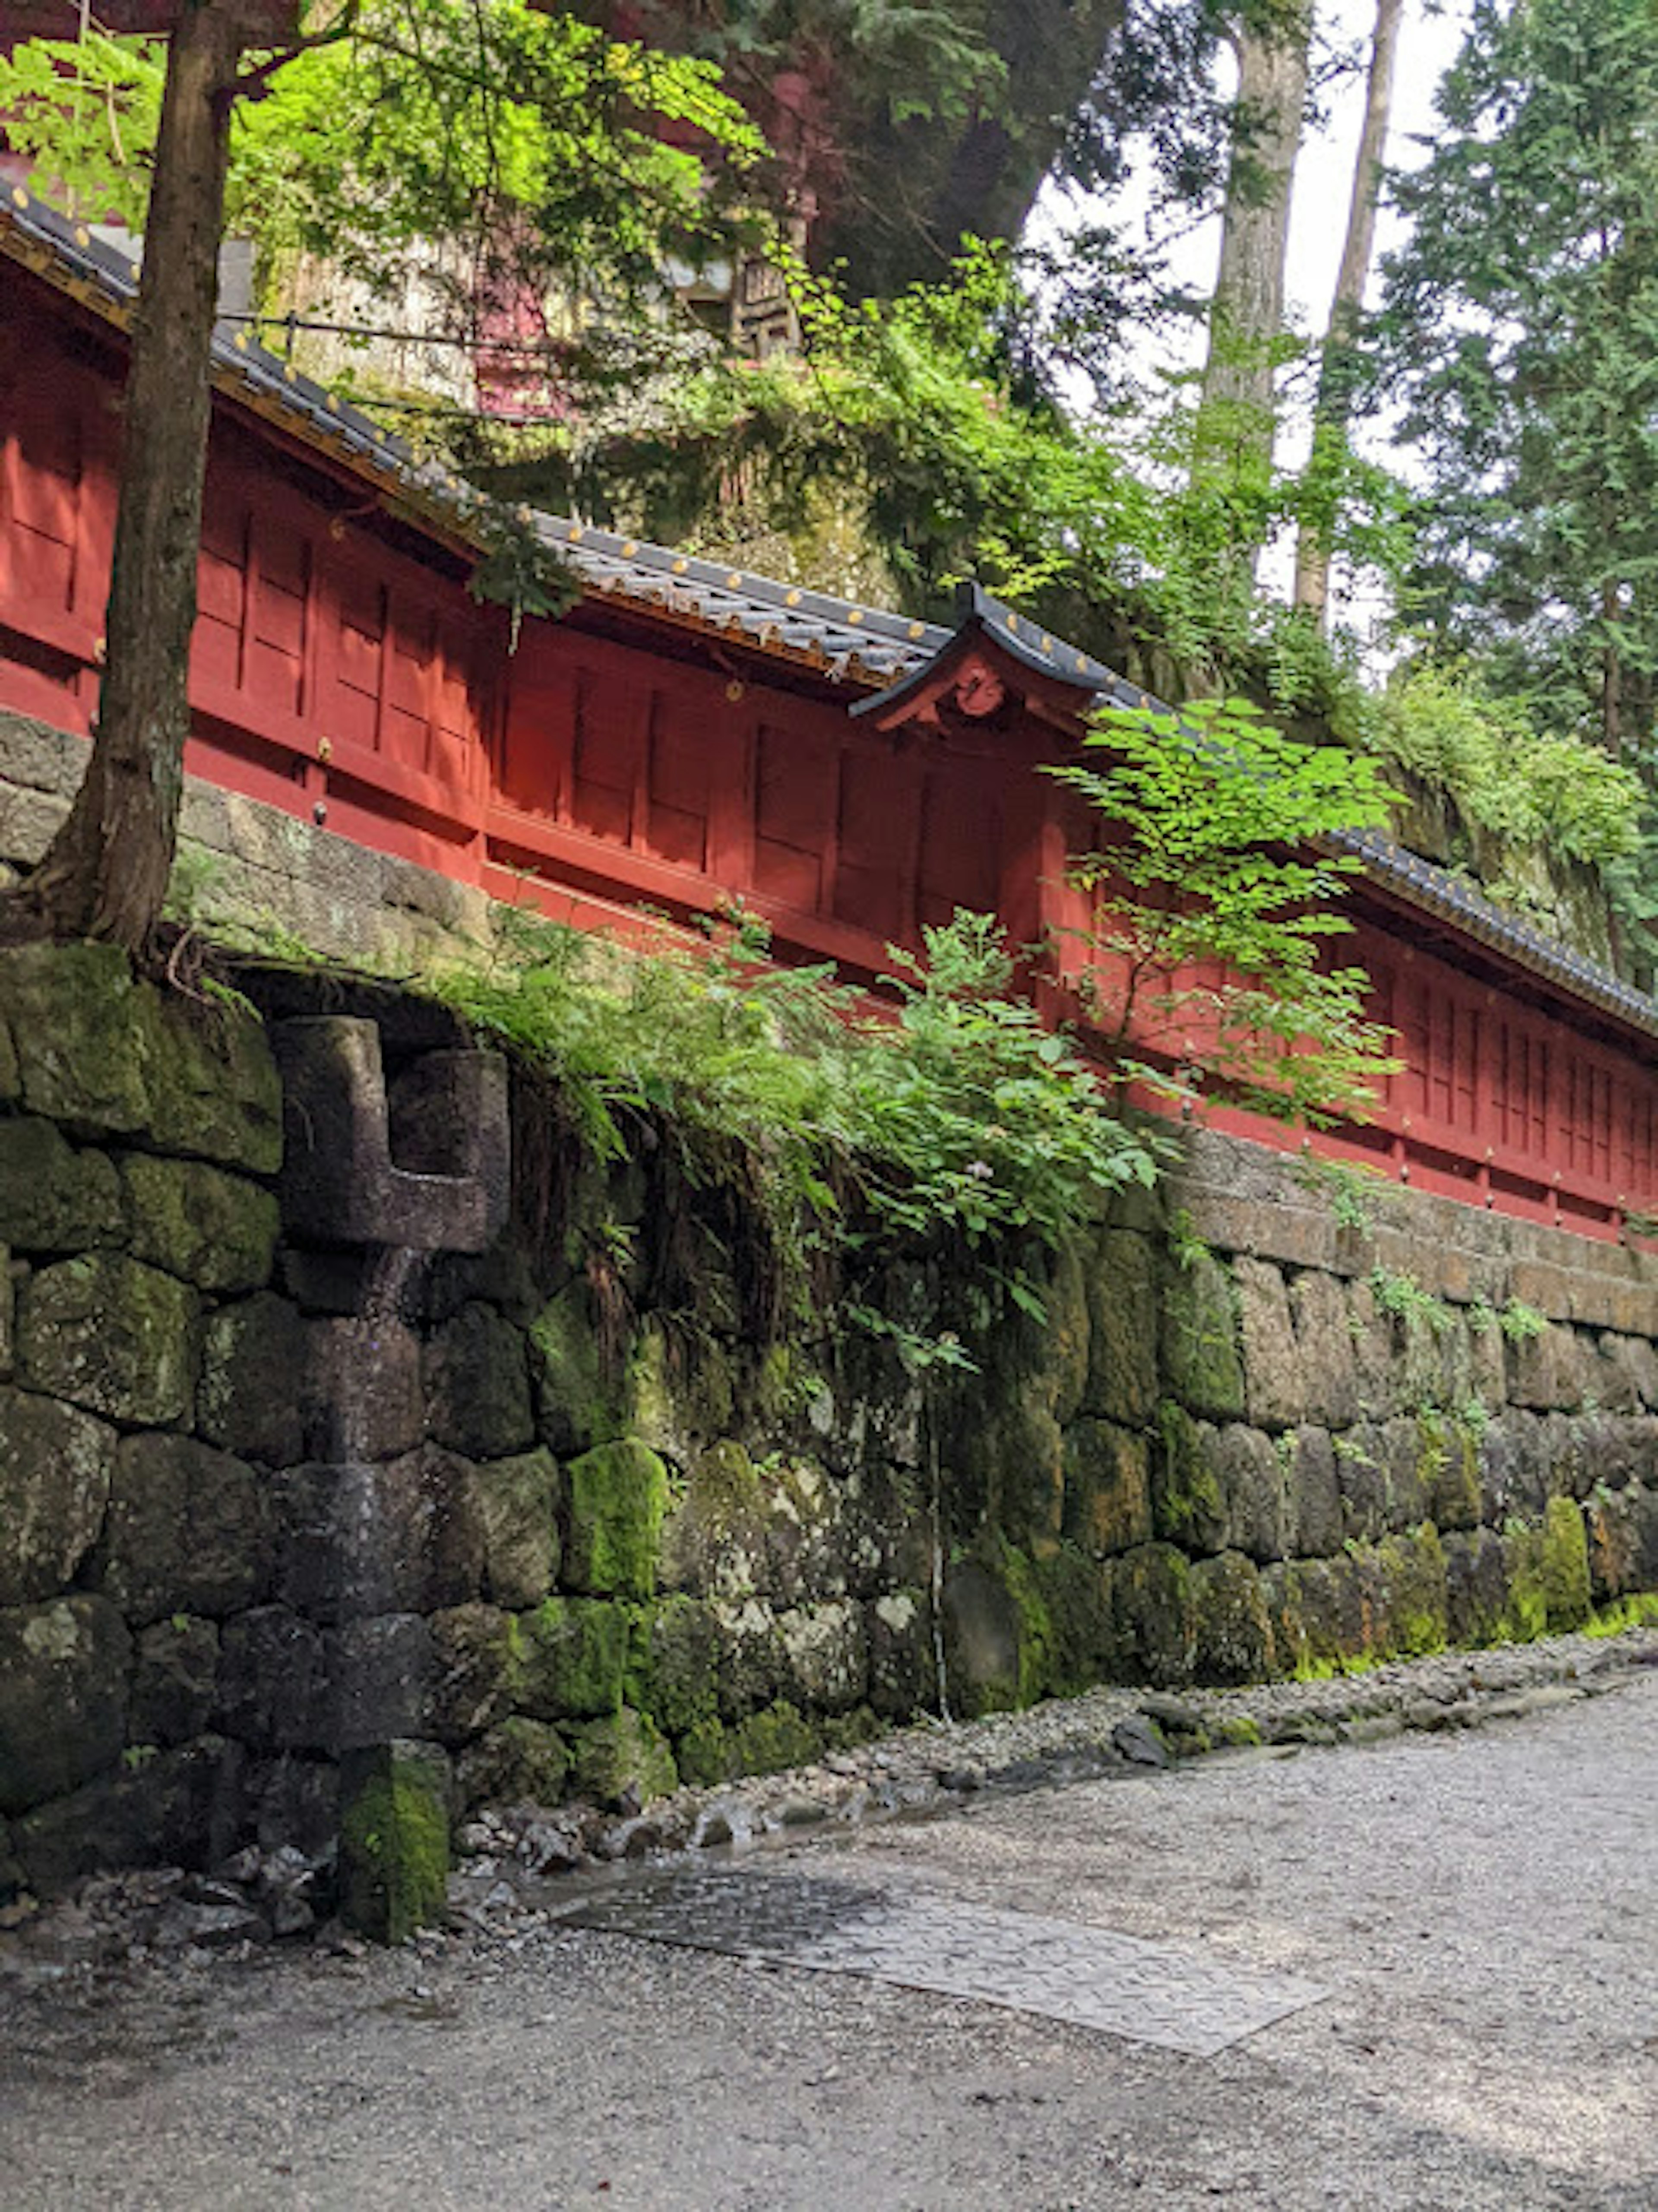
55	1464
1454	1500
570	1659
1108	1487
368	1537
54	1198
272	1680
518	1502
1318	1305
109	1334
184	1808
522	1762
86	1034
214	1090
1313	1521
477	1385
394	1839
187	1530
1201	1361
1614	1384
903	1674
615	1503
363	1389
752	1665
825	1658
1375	1370
1412	1458
1546	1371
11	1273
1065	1349
1188	1506
379	1676
1074	1593
1155	1618
215	1230
1251	1472
175	1681
474	1671
422	1163
295	1801
1476	1586
251	1399
1409	1594
1232	1630
1275	1386
1322	1613
623	1762
1122	1306
673	1671
64	1670
578	1393
1362	1477
1513	1468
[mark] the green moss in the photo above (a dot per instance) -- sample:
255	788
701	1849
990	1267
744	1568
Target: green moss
775	1738
1075	1594
521	1762
1200	1337
1238	1731
1548	1570
848	1731
673	1664
704	1754
1187	1507
1232	1629
1640	1611
568	1658
394	1846
617	1501
622	1759
579	1392
1153	1614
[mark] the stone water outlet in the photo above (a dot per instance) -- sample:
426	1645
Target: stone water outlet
382	1172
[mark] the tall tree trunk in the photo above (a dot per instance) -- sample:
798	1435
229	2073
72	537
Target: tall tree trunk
1247	315
106	872
1332	410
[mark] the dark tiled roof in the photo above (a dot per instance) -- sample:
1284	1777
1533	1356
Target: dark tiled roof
864	645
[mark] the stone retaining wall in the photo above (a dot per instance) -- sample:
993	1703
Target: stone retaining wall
276	1498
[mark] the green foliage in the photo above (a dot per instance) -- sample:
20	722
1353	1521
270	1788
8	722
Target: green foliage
953	1113
1521	331
1211	860
1353	1192
1403	1298
1555	790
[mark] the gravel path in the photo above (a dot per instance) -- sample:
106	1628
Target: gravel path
1478	1904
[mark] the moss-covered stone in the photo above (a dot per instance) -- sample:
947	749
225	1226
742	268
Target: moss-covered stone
215	1230
1410	1599
518	1503
521	1762
1322	1613
825	1656
1075	1593
394	1840
1548	1573
55	1468
1476	1586
477	1385
214	1088
673	1668
999	1635
1454	1494
109	1334
623	1761
85	1034
704	1755
64	1670
679	1391
1232	1630
903	1671
253	1351
570	1658
1188	1507
1122	1299
768	1741
474	1672
1155	1627
174	1680
578	1396
1200	1356
1108	1487
615	1504
53	1197
186	1532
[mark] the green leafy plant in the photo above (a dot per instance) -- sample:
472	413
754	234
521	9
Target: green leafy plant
1214	902
1403	1298
1519	1323
1353	1192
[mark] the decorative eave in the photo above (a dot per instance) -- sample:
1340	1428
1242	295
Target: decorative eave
994	656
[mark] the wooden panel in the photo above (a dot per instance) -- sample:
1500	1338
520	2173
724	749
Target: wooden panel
40	496
676	792
794	789
961	847
607	758
278	589
874	885
221	591
352	707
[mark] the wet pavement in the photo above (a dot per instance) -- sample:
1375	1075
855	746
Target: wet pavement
1477	1908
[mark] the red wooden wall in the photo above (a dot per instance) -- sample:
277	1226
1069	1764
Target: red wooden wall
341	672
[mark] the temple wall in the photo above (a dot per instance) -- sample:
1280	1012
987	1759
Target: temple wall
391	1447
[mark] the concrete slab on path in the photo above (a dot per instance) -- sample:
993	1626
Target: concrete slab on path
1061	1970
